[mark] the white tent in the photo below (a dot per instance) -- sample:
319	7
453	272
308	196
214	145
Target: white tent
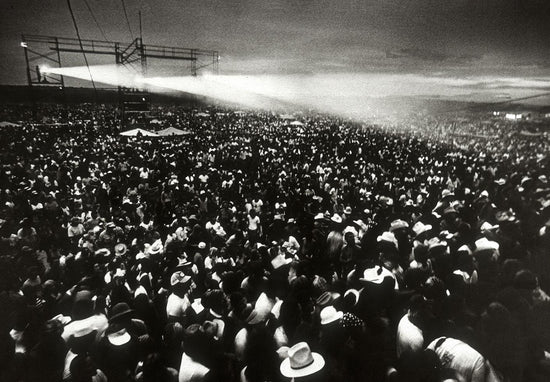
172	131
296	123
136	132
6	124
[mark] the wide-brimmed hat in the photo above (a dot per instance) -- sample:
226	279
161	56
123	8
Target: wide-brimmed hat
398	224
179	277
319	216
446	193
485	244
336	218
387	237
324	299
419	228
120	249
120	311
301	361
348	210
105	252
330	314
155	248
376	274
183	264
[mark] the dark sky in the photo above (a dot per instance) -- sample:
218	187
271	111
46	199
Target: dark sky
453	37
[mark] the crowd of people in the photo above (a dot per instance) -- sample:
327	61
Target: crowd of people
256	251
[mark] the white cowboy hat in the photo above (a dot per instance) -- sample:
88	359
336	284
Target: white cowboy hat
336	218
376	274
485	244
420	227
398	224
301	361
319	216
330	314
388	237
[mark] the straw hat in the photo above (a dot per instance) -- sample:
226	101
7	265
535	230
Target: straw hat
301	362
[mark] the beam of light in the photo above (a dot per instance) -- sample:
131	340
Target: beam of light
346	94
349	94
114	75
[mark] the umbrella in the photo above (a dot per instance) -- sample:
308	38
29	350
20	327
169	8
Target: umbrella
172	131
136	132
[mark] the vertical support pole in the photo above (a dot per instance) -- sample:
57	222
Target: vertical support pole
29	78
193	63
59	62
24	45
118	62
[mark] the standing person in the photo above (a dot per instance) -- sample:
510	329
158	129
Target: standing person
254	227
179	302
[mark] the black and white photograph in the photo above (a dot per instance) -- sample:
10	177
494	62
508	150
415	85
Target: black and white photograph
275	191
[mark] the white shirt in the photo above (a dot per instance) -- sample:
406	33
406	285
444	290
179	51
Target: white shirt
253	222
464	359
409	336
191	371
177	306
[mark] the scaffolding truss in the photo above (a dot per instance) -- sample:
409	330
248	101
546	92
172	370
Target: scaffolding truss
133	56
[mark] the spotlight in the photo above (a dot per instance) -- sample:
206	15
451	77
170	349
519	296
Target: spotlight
44	68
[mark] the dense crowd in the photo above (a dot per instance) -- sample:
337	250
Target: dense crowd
256	251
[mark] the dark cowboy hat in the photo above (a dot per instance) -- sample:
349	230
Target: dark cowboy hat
120	311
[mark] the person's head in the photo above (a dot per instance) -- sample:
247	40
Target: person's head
195	343
83	369
83	306
154	369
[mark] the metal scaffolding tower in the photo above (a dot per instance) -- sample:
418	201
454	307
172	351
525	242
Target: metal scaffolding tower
49	49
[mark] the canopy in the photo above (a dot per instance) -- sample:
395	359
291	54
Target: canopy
172	131
296	123
135	132
6	124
